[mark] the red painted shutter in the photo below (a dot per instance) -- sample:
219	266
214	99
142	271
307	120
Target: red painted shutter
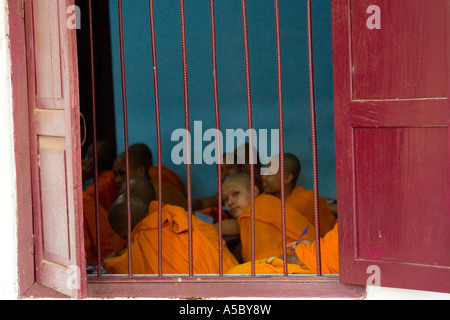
391	78
55	147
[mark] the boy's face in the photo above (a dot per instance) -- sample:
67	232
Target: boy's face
272	183
119	169
235	198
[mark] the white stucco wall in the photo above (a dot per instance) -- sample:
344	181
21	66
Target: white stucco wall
8	223
380	293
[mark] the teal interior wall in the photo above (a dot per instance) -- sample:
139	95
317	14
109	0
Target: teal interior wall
231	78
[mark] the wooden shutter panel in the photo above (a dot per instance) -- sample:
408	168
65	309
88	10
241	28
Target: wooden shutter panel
392	142
55	147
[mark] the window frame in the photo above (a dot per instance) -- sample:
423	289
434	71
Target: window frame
25	243
110	287
176	287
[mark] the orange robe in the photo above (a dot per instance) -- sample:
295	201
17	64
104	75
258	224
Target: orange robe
269	266
329	252
175	246
302	200
268	228
110	241
168	176
170	194
108	191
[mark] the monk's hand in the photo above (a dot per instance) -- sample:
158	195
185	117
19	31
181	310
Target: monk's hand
306	241
292	246
292	259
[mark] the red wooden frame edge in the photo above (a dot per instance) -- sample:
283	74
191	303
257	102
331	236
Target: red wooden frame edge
224	287
25	251
310	287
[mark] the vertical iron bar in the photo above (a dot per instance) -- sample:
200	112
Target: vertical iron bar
125	125
158	134
219	151
94	131
314	139
250	127
188	142
280	110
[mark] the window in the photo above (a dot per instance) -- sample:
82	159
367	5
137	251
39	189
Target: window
53	101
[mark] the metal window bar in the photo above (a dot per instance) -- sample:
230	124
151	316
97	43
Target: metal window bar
188	142
94	132
158	133
216	110
125	125
314	137
217	116
250	136
281	128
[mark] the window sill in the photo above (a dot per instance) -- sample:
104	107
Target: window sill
326	287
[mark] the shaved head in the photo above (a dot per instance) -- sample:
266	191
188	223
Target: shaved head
236	195
142	187
118	213
138	167
136	159
145	151
292	166
241	178
106	154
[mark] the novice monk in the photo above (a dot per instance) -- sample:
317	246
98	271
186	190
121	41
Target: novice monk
110	242
236	197
175	240
142	187
167	175
107	187
303	261
296	196
329	253
238	161
268	222
139	168
209	206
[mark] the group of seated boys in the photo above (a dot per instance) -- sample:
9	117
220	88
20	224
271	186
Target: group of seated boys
149	214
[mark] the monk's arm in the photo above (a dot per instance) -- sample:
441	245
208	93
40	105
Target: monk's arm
230	227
